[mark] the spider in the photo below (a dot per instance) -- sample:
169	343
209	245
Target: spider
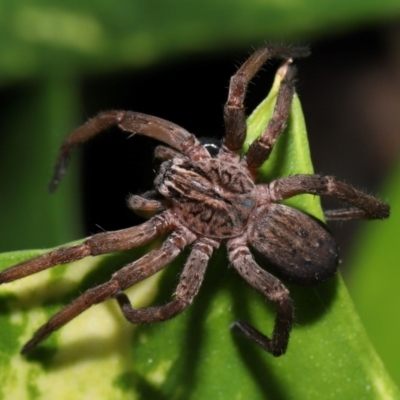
204	200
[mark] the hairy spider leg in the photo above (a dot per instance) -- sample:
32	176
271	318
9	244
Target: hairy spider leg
129	275
189	284
367	206
234	111
105	242
165	153
261	148
262	281
147	204
133	122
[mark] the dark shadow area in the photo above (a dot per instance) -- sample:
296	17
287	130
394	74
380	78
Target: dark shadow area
312	302
252	355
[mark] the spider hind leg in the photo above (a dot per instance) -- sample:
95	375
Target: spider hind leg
273	290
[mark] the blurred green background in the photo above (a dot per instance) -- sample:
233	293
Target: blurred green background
62	63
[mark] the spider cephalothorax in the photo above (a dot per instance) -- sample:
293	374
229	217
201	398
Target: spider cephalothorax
206	200
212	197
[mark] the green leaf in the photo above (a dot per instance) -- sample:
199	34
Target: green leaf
30	217
40	36
195	355
374	279
291	154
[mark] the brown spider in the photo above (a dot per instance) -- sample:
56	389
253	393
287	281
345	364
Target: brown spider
205	201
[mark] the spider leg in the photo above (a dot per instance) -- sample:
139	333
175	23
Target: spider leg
261	148
344	214
188	287
273	290
105	242
366	206
165	153
132	122
146	205
234	112
132	273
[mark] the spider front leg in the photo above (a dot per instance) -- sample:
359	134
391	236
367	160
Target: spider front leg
129	275
189	284
270	287
131	122
234	112
367	206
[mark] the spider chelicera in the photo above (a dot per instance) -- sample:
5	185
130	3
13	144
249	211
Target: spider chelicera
207	200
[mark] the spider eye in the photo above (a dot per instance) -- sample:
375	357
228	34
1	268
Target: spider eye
211	145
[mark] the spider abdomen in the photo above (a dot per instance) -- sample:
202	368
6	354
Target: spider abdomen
212	198
299	248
